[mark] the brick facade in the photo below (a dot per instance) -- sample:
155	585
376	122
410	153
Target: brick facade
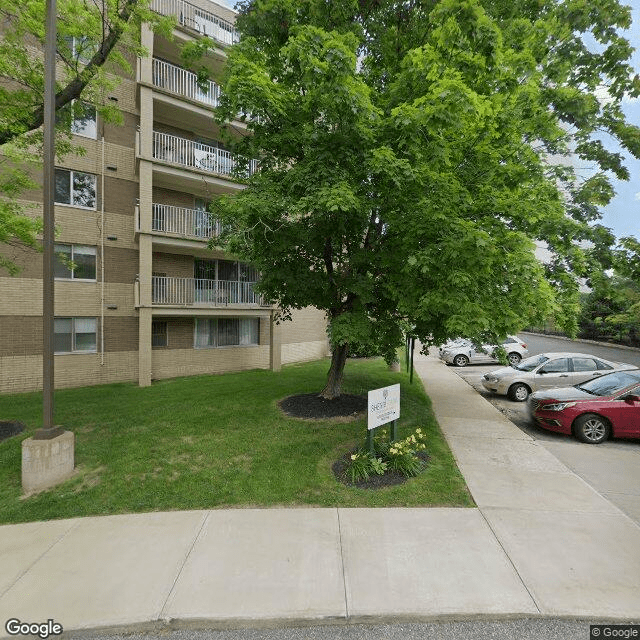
128	182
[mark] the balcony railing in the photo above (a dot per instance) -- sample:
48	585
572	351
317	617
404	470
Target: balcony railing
184	83
195	155
192	223
198	292
200	20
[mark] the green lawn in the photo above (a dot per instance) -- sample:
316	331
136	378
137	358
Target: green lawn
217	441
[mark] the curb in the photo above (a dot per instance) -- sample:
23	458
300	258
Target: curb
601	344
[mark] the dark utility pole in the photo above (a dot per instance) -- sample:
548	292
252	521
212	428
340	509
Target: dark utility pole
48	431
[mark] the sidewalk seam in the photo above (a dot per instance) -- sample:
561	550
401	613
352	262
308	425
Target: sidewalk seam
344	572
181	568
497	539
44	553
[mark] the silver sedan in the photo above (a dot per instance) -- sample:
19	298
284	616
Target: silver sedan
548	370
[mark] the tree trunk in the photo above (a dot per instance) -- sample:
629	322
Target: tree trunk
333	388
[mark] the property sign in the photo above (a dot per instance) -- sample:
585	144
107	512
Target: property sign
384	405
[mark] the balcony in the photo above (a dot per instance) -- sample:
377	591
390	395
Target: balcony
189	223
196	292
196	155
192	17
183	83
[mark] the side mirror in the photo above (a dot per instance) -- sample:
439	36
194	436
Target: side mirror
630	398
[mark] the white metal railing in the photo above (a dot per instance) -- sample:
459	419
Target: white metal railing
184	83
195	155
196	291
204	22
193	223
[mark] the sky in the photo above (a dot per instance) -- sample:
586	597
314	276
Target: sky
622	214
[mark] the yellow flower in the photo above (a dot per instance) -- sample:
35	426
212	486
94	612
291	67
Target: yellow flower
354	456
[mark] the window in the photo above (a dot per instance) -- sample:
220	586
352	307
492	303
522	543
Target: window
226	332
556	366
159	334
82	259
74	335
84	121
584	364
81	49
603	365
75	188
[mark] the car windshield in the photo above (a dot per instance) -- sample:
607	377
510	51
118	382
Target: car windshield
529	364
610	384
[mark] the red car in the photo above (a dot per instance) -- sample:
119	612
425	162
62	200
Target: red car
593	411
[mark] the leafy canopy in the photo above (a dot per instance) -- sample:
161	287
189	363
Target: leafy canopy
413	153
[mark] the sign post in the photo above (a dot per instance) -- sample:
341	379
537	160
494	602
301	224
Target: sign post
383	407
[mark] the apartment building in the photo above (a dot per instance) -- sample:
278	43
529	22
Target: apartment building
138	294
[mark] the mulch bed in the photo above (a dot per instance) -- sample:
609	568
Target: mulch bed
312	406
9	429
375	481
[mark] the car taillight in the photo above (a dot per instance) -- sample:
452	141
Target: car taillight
524	346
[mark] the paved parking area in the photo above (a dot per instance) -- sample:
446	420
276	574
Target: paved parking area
611	468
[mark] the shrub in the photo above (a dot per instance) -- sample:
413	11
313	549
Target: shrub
363	464
401	456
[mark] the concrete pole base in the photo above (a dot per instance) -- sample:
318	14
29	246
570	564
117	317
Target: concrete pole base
46	463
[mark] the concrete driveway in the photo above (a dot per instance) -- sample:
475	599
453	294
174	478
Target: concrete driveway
611	468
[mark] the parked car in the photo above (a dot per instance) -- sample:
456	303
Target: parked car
461	351
546	371
593	411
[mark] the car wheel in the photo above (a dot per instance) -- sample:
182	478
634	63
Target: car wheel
591	428
514	358
518	392
461	360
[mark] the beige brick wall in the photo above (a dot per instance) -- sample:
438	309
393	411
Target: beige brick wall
170	363
174	265
120	196
124	134
24	373
22	335
173	198
23	297
303	351
120	265
306	325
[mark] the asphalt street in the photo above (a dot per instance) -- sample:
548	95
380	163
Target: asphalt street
613	467
523	629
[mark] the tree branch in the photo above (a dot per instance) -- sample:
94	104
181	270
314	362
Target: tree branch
73	90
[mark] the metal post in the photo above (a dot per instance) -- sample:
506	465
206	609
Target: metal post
370	441
406	352
413	346
394	432
48	431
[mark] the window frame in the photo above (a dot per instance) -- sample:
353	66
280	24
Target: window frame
217	332
73	246
165	333
71	173
95	120
74	350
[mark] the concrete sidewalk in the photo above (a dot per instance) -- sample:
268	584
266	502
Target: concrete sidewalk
541	542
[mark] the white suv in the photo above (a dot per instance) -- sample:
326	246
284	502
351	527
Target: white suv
461	352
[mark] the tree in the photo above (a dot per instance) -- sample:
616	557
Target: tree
413	152
96	43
